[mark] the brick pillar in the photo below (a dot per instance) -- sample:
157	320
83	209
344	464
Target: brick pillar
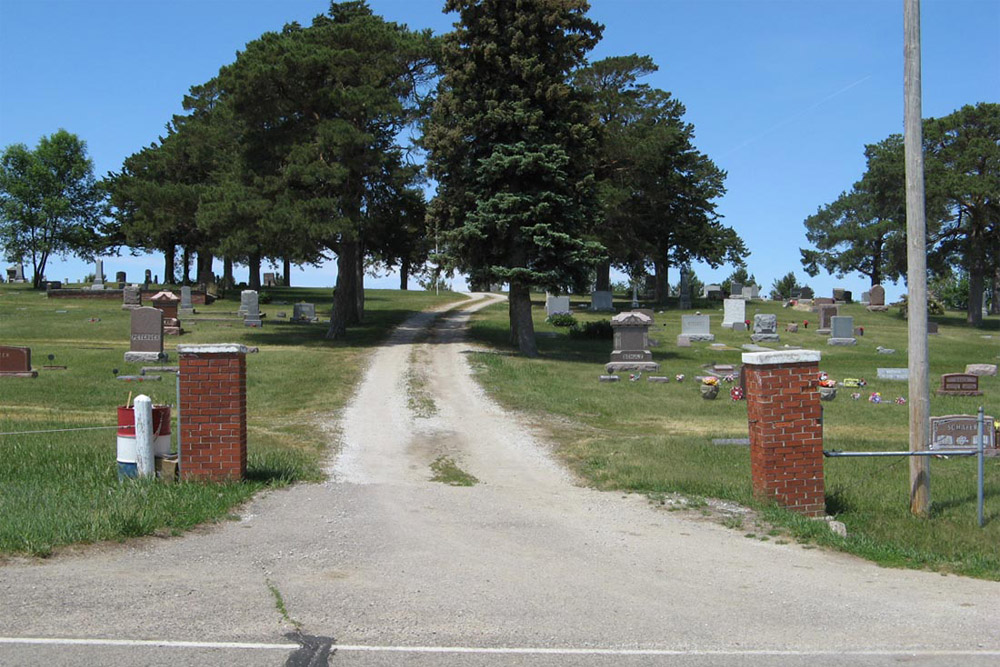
213	404
786	431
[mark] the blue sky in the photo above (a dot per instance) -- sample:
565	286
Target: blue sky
783	94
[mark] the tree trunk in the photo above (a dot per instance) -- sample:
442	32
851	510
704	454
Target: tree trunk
660	291
345	303
228	281
288	272
169	256
404	274
995	296
603	281
254	278
521	324
204	274
359	288
186	259
976	285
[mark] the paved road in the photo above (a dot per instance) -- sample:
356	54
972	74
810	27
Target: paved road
381	566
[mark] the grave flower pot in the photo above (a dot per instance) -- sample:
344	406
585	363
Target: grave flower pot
827	393
709	391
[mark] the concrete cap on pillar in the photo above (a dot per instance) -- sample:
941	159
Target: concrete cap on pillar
218	348
778	357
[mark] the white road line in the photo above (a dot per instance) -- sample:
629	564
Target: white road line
510	650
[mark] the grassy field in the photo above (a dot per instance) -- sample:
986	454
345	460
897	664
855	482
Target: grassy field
657	438
62	488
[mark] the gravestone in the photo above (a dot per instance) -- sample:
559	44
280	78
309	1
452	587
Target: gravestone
269	280
15	273
601	300
962	432
149	278
848	296
146	336
866	298
712	291
16	362
556	304
683	341
631	344
695	328
167	303
120	277
894	374
98	275
751	292
244	300
131	297
826	314
876	299
304	312
981	369
685	288
842	331
186	307
838	294
792	328
736	290
739	326
53	284
932	328
252	301
735	311
765	328
648	312
959	384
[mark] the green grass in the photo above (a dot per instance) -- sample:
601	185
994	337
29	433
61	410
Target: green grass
62	488
446	471
655	438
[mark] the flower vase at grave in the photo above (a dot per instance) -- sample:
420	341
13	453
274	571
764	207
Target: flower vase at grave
709	391
827	393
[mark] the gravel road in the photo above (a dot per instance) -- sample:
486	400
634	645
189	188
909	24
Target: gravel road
382	566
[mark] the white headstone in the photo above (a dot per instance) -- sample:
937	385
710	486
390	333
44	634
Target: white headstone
556	304
735	311
696	328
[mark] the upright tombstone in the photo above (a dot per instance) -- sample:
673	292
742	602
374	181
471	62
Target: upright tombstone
631	344
735	311
252	301
684	300
269	280
712	291
765	328
244	300
131	297
751	292
959	384
932	328
736	290
842	331
16	362
866	298
838	295
556	304
826	314
167	302
876	299
186	307
15	273
696	328
148	279
601	300
146	336
120	277
304	312
962	432
98	275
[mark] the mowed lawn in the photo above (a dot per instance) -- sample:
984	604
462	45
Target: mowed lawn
657	438
62	488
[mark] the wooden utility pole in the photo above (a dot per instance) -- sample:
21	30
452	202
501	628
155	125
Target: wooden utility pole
916	264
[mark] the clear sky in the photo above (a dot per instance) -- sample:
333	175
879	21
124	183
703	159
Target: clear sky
784	94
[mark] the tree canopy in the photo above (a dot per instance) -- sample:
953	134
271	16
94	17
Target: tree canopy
50	202
511	143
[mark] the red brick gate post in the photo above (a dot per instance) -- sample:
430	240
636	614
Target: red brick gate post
213	404
786	430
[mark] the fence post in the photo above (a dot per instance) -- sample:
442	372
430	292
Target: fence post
144	462
786	429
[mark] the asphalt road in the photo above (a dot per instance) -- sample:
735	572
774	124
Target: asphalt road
382	566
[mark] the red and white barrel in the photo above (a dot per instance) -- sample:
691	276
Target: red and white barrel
127	456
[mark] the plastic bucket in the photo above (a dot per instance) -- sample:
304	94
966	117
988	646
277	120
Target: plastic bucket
126	455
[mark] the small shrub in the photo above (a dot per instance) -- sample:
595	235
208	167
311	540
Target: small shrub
561	320
599	330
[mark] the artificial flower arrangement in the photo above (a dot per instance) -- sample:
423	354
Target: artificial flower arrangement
710	380
828	383
855	396
679	377
736	393
900	401
875	397
729	378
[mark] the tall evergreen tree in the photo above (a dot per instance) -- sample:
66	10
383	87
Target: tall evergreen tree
511	144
